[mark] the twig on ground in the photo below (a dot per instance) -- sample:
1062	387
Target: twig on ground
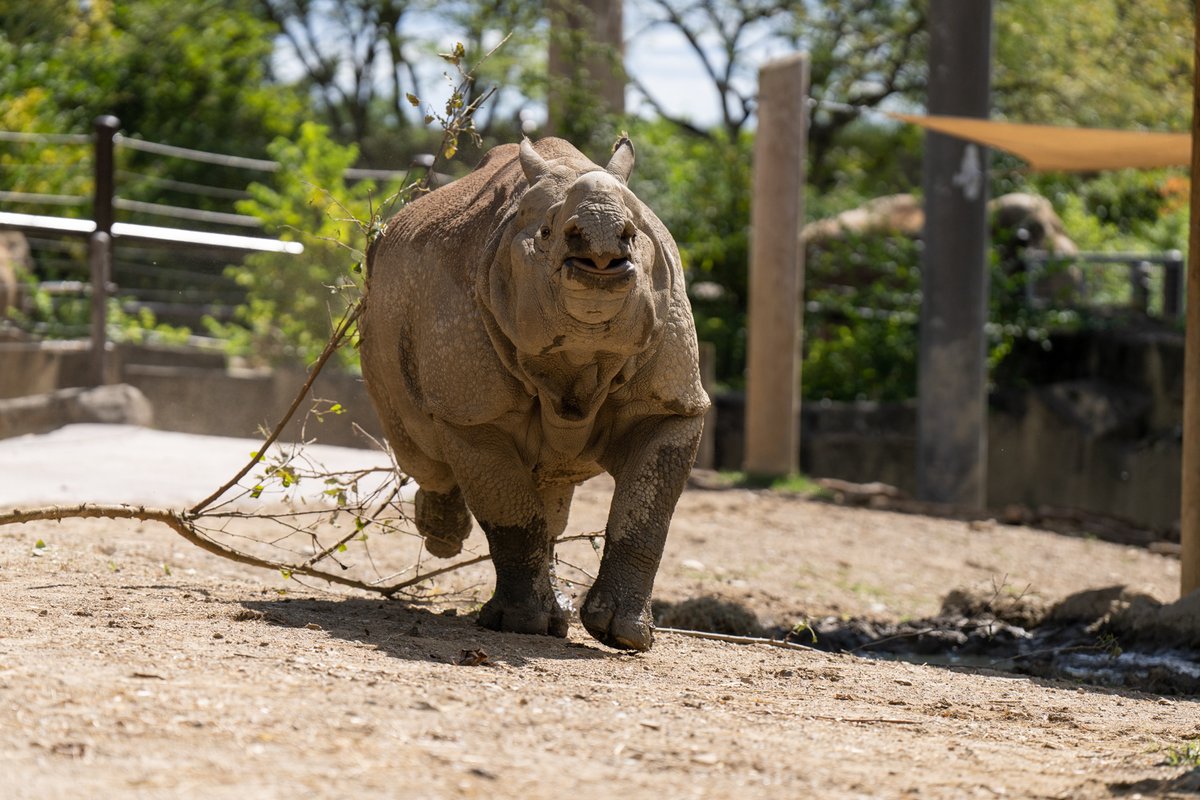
726	637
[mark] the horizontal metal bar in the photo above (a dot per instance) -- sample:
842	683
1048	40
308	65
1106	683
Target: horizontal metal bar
45	138
38	198
359	173
37	222
128	230
186	187
1168	257
193	214
219	159
148	233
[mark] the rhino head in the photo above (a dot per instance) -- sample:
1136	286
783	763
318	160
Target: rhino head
585	269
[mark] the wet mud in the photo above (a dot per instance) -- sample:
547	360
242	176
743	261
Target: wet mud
1106	637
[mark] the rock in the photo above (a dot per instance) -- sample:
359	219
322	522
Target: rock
116	404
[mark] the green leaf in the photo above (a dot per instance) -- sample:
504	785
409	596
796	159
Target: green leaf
257	491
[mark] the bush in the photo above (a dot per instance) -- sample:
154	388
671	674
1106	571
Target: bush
294	302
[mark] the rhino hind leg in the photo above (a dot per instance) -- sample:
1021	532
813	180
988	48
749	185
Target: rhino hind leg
443	520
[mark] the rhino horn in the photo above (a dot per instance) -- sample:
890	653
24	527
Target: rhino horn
621	163
532	164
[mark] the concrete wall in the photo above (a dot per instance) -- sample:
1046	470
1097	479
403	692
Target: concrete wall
193	392
1097	426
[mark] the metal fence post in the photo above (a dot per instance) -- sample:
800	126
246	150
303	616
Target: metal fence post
1139	285
100	266
1173	287
100	243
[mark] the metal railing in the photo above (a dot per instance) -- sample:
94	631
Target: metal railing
1140	278
104	232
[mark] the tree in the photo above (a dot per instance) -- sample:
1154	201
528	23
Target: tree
195	74
361	63
1106	63
352	58
863	53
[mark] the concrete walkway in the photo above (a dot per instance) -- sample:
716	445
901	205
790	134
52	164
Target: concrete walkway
127	464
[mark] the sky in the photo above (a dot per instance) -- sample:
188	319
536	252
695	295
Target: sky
657	55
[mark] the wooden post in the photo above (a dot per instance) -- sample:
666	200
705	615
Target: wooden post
952	364
586	74
1189	516
776	270
100	244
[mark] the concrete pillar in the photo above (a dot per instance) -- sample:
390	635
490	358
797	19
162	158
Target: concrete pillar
952	363
776	270
586	71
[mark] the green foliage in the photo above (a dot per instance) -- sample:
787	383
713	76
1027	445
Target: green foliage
195	74
293	302
795	482
700	188
1185	755
1105	63
69	316
860	323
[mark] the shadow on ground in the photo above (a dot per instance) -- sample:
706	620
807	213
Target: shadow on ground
1187	783
417	634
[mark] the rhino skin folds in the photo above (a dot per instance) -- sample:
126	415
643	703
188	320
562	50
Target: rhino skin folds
526	327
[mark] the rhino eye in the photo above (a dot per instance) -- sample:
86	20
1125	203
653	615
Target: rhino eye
544	232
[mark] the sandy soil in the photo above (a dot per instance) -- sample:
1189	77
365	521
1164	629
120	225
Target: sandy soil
134	665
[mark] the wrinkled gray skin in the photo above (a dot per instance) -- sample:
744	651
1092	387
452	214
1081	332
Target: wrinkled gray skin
526	328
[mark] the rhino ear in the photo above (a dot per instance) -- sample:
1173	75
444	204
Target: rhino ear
533	165
621	163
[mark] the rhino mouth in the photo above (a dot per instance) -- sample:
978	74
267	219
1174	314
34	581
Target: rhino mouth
615	268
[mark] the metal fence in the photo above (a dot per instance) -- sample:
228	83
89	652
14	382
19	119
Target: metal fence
168	256
1149	283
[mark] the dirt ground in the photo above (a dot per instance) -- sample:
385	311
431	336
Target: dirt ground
135	665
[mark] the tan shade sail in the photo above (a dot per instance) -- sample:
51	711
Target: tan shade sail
1049	147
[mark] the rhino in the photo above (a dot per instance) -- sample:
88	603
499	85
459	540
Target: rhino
526	328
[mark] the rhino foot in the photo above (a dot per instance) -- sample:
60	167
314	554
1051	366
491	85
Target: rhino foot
546	619
607	619
444	521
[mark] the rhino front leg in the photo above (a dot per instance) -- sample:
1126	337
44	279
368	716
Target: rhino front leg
500	493
650	466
